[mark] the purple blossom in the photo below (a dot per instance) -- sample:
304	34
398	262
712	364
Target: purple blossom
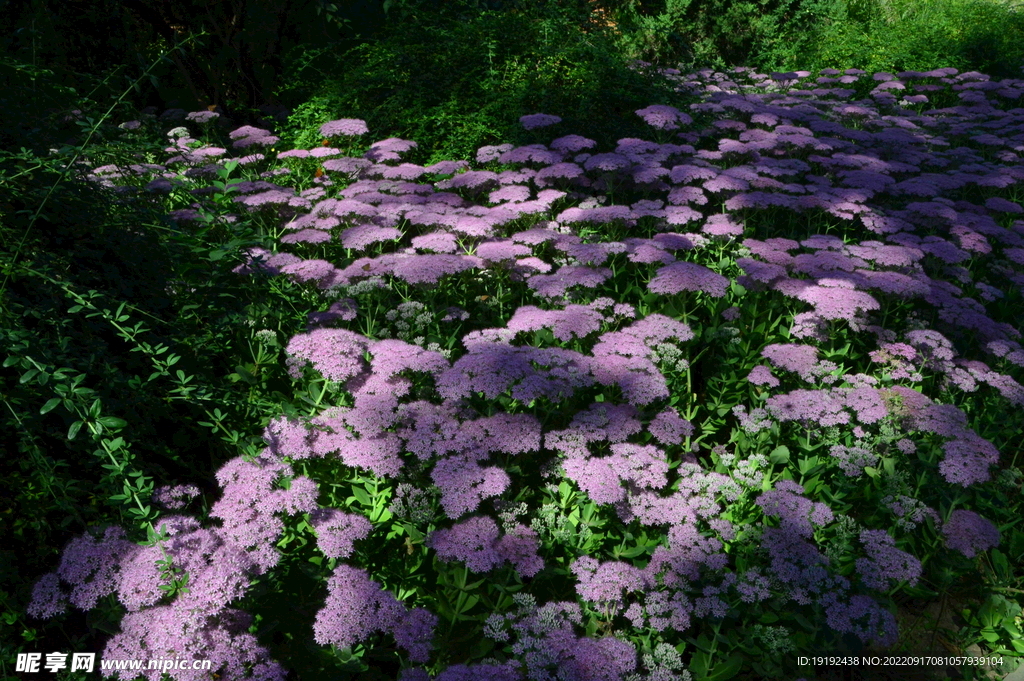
489	153
533	121
969	533
171	632
669	428
967	460
600	215
337	532
645	466
569	323
837	302
663	117
90	567
800	359
472	541
597	477
1001	205
885	565
608	162
572	143
519	546
361	236
415	634
201	116
808	406
344	127
556	285
389	149
48	598
722	224
687	276
438	242
344	310
796	513
175	497
864	618
528	372
606	583
477	672
392	356
464	484
762	375
867	402
336	353
853	460
355	608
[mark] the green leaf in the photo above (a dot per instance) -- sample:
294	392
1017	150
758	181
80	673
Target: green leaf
361	496
28	376
699	664
633	552
779	455
11	361
112	422
726	670
50	405
73	430
806	464
467	604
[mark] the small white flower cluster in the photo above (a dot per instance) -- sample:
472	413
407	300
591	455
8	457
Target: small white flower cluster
409	319
266	337
664	662
670	357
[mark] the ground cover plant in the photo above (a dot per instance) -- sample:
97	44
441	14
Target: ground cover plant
744	389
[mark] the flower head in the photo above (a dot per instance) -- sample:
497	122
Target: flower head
533	121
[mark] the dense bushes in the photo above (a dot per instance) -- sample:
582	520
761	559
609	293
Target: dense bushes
457	84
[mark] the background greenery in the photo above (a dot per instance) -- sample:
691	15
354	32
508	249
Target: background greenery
162	337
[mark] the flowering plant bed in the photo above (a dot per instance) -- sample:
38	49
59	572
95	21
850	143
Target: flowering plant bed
699	406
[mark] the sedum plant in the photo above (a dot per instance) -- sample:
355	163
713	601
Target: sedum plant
691	407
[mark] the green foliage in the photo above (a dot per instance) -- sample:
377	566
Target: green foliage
896	35
455	85
114	322
721	33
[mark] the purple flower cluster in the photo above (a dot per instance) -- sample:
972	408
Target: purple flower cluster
543	638
885	565
344	127
969	533
356	607
476	542
247	136
687	276
533	121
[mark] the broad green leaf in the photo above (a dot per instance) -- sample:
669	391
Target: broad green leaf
361	496
779	455
112	422
726	670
